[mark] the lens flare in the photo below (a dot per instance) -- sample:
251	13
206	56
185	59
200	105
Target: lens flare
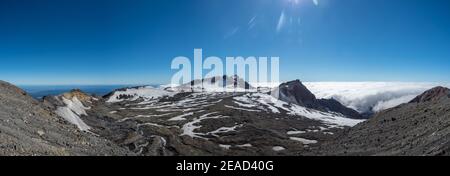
297	2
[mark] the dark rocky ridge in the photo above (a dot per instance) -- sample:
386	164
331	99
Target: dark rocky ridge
432	95
29	128
420	127
53	102
297	93
332	105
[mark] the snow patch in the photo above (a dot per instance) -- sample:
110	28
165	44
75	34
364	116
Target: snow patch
181	117
303	140
245	145
224	130
72	112
225	146
295	132
190	127
244	105
278	148
242	109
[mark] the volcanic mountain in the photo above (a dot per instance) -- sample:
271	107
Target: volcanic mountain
195	119
217	83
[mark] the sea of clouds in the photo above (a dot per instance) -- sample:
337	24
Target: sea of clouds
369	96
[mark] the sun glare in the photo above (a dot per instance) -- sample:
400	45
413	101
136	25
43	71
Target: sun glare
294	2
297	2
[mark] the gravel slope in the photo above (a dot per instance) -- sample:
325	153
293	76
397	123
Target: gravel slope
27	128
416	128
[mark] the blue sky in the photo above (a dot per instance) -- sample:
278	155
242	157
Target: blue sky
134	42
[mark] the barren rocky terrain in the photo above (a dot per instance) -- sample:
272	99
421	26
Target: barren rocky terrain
192	121
28	128
421	127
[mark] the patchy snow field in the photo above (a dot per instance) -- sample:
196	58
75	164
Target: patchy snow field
132	94
264	102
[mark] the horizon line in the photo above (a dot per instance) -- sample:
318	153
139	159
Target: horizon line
152	84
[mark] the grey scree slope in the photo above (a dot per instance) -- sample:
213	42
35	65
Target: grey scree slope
27	128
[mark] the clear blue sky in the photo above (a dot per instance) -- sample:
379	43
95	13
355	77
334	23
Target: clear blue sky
133	42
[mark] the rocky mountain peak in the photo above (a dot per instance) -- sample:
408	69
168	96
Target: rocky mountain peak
80	95
297	93
432	95
216	83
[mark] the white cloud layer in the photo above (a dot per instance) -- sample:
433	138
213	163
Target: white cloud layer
369	96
